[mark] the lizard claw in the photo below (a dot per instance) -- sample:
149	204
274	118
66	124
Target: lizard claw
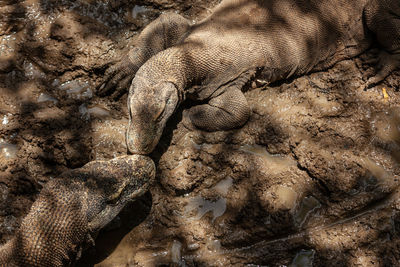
117	78
385	64
186	121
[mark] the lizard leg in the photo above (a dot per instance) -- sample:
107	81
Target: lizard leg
386	63
166	31
226	111
383	19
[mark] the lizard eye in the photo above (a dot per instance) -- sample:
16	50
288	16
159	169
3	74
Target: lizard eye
158	116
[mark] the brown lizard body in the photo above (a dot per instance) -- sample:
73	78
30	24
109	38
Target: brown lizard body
71	209
211	61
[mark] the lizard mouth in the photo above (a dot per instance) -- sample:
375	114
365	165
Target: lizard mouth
134	175
142	141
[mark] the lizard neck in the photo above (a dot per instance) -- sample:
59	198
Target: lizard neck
176	65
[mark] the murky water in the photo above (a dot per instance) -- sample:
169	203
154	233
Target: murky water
93	112
139	11
223	186
198	206
7	150
43	97
77	89
307	206
304	258
176	252
275	162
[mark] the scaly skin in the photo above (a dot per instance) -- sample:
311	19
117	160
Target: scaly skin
212	60
71	209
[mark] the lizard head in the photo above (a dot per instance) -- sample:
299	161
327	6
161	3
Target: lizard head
150	106
110	185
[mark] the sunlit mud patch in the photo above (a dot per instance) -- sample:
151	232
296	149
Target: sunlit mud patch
7	50
324	104
307	206
304	258
198	206
283	197
386	126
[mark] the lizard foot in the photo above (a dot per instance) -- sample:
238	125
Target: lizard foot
186	121
226	111
117	78
385	64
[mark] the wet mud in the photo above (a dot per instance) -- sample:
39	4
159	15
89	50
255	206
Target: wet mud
312	179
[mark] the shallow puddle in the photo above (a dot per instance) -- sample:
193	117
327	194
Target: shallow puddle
8	151
176	252
46	98
77	89
93	112
304	258
223	186
138	11
307	206
197	207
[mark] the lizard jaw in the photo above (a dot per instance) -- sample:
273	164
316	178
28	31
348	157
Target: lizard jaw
149	110
133	176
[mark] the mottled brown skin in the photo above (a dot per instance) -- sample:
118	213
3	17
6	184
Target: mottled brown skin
71	209
211	61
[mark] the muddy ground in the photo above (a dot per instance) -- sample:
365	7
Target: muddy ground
311	179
